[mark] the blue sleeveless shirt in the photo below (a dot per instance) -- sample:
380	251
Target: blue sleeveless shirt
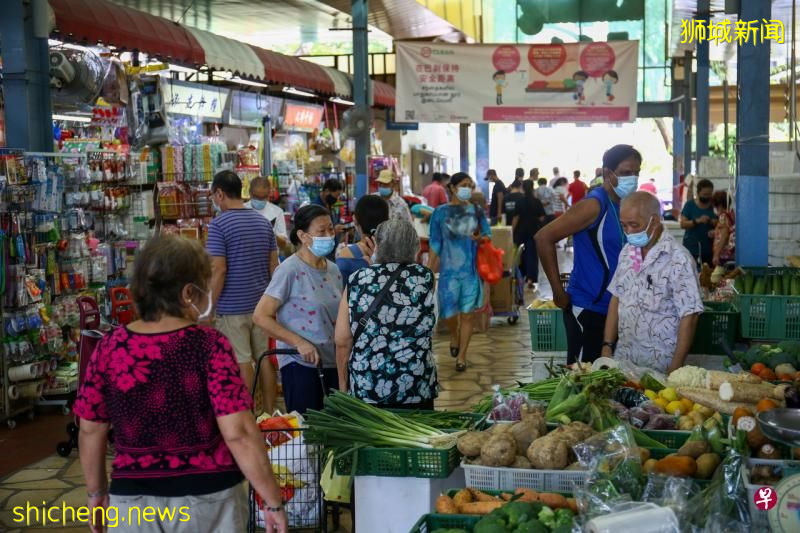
597	250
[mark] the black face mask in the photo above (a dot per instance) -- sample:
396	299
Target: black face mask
330	200
704	199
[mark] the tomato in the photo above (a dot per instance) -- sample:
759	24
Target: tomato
766	404
767	375
757	368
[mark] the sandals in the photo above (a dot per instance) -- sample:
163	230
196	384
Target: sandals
454	351
461	366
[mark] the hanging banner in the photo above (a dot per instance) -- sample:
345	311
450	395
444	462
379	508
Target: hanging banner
194	99
577	82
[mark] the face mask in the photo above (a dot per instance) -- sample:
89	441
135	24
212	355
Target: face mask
704	199
626	185
385	191
207	313
258	205
464	194
640	239
217	208
330	200
322	246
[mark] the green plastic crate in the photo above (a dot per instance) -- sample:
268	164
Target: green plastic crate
720	320
547	330
770	317
401	462
431	522
670	438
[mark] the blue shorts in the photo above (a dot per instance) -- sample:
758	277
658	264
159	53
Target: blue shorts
459	295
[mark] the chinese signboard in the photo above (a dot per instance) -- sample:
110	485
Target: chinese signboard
580	82
194	99
302	117
751	32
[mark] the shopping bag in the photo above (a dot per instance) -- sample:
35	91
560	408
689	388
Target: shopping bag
336	488
490	261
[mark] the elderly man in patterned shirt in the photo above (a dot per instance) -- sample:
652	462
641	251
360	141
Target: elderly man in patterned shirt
655	292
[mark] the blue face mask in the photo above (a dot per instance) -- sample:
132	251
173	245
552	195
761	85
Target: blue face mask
626	185
322	246
216	207
464	194
385	191
257	204
640	239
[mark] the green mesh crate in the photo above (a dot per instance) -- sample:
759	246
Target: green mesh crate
431	522
720	320
400	462
547	330
770	317
670	438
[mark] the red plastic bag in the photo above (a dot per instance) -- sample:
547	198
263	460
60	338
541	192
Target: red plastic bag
490	262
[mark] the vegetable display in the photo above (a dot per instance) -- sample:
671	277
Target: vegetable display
786	284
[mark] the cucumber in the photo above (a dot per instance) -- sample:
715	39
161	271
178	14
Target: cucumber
649	382
767	285
787	284
759	287
738	284
795	288
749	281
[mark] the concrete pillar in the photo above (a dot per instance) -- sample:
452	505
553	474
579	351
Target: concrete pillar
26	75
687	113
703	67
361	89
752	133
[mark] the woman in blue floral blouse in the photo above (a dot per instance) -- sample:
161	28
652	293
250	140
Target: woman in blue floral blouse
390	363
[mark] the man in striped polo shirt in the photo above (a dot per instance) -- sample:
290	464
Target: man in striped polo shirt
244	255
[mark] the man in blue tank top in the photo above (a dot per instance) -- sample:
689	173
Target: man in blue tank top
597	238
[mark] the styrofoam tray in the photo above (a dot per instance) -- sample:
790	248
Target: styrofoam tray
491	478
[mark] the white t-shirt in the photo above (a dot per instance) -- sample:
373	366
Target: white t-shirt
275	215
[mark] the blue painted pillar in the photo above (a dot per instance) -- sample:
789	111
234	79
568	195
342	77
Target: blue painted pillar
361	89
703	8
677	157
752	132
26	75
482	156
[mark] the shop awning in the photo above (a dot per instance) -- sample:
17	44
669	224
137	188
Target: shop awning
342	82
96	21
383	94
222	53
294	71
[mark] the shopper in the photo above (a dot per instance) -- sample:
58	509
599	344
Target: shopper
387	185
656	298
555	178
244	255
577	189
649	186
435	194
299	309
698	220
547	196
390	362
725	230
529	216
172	391
597	181
329	195
534	175
260	193
597	238
455	230
498	193
560	204
370	212
515	194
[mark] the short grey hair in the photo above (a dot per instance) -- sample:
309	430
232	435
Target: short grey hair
397	242
647	203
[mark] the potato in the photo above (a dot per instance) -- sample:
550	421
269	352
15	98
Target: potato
527	431
694	449
649	465
549	454
706	465
697	417
685	423
500	427
499	450
521	462
470	443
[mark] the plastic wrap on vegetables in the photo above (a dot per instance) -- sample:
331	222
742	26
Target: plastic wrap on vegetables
614	462
620	410
629	397
673	492
638	417
662	421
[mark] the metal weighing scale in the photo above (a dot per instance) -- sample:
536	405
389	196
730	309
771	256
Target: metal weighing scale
783	425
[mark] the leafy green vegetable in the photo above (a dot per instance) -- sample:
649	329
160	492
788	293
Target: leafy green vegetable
547	517
519	512
490	526
563	517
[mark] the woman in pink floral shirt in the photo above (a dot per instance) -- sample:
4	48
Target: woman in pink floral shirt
184	433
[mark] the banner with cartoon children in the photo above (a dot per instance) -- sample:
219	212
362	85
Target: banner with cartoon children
576	82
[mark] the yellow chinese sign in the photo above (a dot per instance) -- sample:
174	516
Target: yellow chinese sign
742	32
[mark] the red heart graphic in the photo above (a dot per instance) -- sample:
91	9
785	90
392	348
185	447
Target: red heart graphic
547	58
312	313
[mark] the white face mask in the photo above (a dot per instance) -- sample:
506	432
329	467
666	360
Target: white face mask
206	314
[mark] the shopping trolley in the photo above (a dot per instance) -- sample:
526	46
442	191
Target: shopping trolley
301	491
92	330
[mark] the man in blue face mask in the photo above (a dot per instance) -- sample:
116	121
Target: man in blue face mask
597	239
260	189
656	295
398	208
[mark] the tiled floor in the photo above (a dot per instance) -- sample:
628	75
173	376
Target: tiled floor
501	356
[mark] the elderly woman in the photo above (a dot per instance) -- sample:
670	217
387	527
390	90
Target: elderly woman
299	309
385	323
185	436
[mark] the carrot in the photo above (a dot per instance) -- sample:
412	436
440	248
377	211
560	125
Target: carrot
480	508
528	495
462	497
573	505
479	496
553	500
506	496
445	505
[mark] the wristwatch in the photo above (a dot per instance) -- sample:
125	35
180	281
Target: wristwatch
609	344
274	509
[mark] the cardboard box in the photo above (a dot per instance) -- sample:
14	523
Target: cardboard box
502	296
502	238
